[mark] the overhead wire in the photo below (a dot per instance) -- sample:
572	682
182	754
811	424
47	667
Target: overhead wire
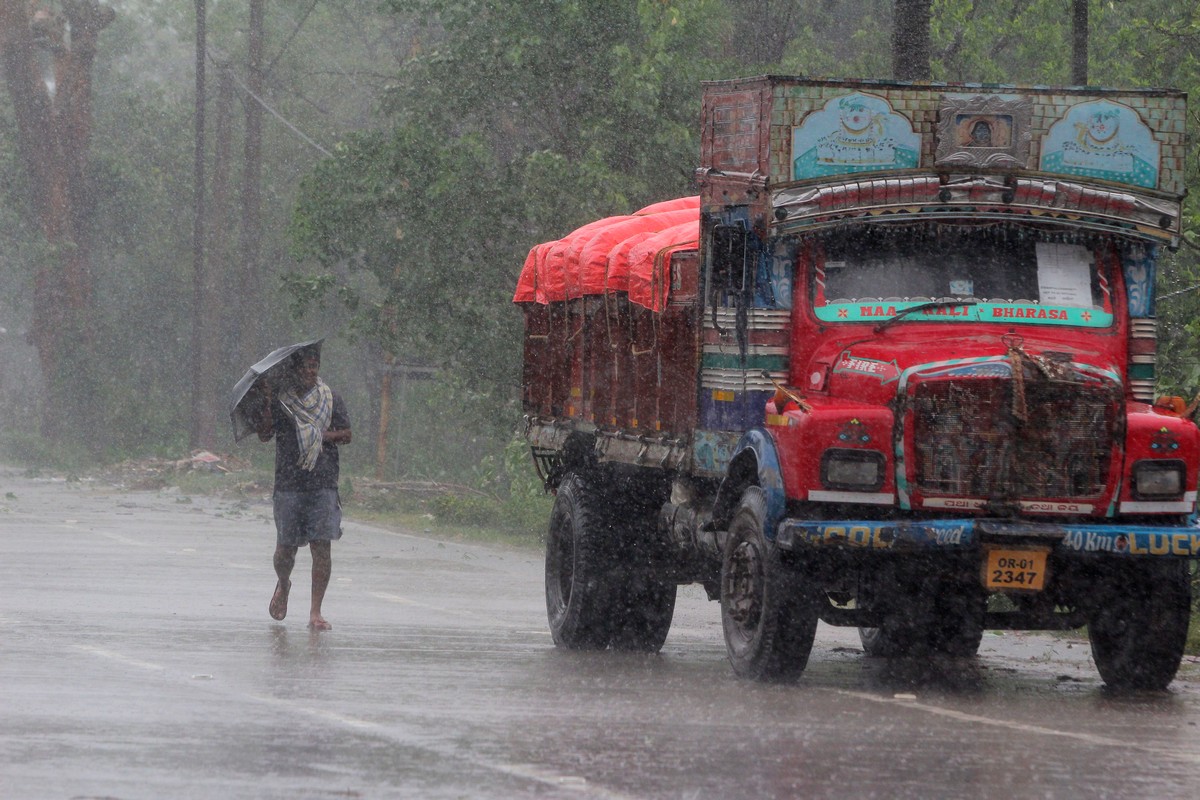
299	25
267	107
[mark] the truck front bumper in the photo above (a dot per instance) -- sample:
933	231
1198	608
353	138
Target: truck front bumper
970	533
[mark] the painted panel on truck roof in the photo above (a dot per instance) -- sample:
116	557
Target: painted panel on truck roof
746	133
1105	140
855	133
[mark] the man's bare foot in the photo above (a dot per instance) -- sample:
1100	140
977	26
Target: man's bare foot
319	623
278	607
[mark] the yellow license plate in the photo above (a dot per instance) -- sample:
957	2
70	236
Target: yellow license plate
1009	570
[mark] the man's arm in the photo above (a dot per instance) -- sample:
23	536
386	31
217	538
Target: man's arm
339	423
266	422
340	436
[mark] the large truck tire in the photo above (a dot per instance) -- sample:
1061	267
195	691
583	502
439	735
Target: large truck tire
768	612
957	625
643	606
643	600
931	617
578	598
1138	625
905	615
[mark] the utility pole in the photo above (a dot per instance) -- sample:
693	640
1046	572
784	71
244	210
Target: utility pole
203	422
251	239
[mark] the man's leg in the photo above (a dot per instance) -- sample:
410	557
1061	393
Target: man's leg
322	559
285	559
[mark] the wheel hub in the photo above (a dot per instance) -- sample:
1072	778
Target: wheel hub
743	586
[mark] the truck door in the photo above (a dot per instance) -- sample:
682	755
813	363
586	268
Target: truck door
745	328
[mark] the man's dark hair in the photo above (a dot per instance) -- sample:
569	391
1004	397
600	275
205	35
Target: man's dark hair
300	356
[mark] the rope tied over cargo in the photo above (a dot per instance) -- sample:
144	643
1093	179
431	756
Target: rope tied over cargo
1016	359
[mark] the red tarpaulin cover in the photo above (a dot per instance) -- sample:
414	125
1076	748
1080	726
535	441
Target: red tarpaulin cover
527	282
618	260
594	258
649	263
551	268
671	205
597	273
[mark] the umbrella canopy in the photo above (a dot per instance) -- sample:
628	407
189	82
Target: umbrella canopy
240	412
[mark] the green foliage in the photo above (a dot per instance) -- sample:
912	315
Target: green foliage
465	509
403	234
511	123
831	42
26	447
523	516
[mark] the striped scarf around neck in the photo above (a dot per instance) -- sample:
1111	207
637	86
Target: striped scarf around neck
311	413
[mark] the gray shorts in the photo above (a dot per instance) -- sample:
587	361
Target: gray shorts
303	517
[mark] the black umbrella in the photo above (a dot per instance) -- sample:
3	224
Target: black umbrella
243	414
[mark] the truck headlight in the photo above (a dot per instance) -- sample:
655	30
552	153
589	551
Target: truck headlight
1158	478
854	470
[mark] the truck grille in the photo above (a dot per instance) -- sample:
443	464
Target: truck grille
968	443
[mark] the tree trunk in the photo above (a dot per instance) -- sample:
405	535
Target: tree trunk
910	40
385	412
1079	42
222	228
47	63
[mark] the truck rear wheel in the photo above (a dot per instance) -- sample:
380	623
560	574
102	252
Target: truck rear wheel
577	594
644	606
1138	625
768	614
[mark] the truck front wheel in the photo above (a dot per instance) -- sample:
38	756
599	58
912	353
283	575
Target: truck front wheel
576	590
768	612
1139	621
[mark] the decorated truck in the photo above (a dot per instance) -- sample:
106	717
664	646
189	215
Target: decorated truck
893	368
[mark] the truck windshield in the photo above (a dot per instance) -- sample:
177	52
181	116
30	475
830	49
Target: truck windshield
1010	275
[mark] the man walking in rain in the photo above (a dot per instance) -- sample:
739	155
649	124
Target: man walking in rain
308	421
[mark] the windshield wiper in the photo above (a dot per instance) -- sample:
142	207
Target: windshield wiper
922	307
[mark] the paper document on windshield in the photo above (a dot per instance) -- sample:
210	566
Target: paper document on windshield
1064	275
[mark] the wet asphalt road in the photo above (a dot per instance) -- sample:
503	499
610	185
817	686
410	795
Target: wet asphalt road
138	661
